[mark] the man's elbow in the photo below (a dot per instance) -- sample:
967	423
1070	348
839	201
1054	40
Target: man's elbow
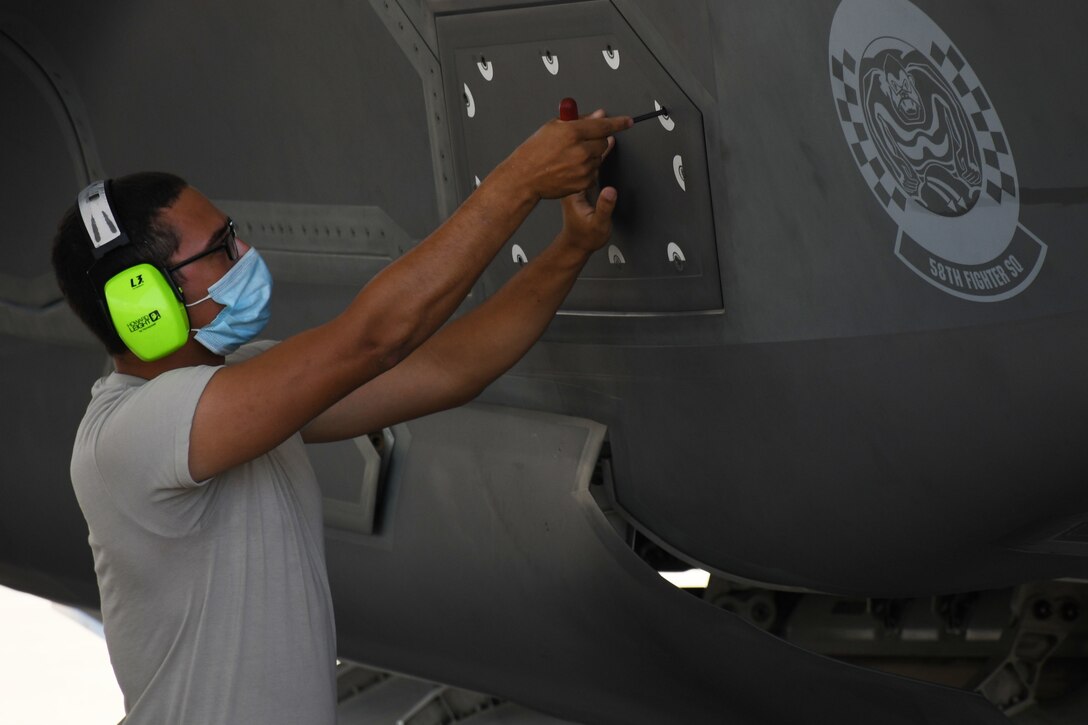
387	344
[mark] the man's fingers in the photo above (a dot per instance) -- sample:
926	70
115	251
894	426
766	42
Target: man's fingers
598	147
611	145
588	128
597	123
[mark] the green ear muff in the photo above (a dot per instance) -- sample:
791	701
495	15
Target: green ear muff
146	311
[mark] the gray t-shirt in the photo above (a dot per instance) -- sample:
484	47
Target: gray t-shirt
215	596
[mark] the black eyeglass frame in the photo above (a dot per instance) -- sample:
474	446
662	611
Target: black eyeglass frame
229	243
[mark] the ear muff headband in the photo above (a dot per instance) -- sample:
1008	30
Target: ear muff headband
144	306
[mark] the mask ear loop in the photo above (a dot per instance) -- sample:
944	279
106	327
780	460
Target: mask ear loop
208	296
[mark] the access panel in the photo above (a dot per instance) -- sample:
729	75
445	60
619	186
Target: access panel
505	72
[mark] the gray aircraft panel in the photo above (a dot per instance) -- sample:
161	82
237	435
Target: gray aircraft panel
324	85
812	478
43	537
662	257
837	410
494	570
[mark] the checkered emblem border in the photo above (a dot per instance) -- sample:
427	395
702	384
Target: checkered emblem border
999	174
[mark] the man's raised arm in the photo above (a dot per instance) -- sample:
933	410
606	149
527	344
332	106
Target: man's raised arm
248	409
459	361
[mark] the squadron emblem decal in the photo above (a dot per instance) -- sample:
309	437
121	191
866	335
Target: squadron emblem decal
930	145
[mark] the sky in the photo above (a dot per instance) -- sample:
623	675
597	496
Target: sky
53	665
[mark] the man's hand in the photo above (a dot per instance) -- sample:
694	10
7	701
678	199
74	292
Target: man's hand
587	227
563	157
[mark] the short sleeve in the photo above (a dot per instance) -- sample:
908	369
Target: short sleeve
142	450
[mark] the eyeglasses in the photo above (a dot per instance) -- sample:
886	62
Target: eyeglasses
228	241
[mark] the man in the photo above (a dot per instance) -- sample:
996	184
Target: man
203	511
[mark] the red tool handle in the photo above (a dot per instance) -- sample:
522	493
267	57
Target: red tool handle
568	110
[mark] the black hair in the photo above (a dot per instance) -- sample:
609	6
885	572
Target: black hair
138	201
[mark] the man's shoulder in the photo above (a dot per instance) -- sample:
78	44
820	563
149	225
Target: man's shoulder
116	392
134	435
118	385
130	398
133	399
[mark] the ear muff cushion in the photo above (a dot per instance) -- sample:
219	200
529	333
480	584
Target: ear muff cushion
147	313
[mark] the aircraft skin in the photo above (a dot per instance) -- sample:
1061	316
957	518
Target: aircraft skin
836	345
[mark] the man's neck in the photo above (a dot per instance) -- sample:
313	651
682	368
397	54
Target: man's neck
191	355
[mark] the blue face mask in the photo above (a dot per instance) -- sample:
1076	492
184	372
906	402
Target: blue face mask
245	291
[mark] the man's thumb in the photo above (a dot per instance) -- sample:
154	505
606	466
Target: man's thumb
606	202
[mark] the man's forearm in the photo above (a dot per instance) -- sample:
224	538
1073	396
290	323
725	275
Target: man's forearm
482	345
453	366
457	363
413	297
416	294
